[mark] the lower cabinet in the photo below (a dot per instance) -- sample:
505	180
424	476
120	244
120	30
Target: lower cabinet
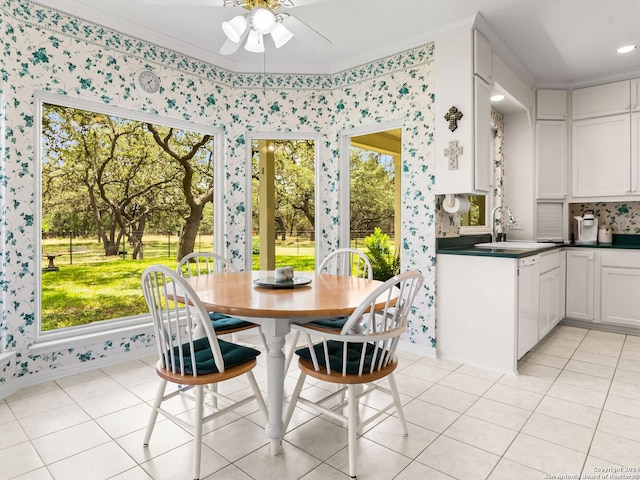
580	284
620	288
551	293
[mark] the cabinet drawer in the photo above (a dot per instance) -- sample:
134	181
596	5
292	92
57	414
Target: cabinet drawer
549	261
600	100
621	259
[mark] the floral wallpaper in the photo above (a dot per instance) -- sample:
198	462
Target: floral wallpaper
622	217
47	50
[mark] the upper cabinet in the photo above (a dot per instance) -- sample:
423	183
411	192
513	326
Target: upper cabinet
601	100
551	104
482	57
635	95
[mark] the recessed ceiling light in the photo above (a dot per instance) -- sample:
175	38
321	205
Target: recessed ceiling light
497	98
627	49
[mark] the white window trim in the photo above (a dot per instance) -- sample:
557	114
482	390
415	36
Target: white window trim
109	328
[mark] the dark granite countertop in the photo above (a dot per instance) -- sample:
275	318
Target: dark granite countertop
465	246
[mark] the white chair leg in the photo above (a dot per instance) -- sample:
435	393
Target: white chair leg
398	404
258	394
352	430
197	430
154	412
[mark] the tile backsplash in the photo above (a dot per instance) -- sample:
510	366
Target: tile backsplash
623	217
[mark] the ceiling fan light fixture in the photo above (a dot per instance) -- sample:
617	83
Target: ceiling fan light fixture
262	20
626	49
280	34
255	42
234	28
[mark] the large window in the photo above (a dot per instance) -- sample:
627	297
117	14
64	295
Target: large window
117	194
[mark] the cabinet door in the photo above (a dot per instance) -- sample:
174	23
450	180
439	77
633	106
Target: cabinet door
580	284
563	284
620	302
635	95
551	159
550	304
551	104
483	171
635	153
601	100
482	57
601	157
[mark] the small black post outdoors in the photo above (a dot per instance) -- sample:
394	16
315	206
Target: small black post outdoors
71	247
169	244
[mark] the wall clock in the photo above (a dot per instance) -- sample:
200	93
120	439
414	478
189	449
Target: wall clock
147	82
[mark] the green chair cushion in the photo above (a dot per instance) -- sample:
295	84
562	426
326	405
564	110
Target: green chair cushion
334	322
336	349
222	322
232	355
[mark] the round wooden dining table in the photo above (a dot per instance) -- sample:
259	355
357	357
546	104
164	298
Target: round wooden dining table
275	308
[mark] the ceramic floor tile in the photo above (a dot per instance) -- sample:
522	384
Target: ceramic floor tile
416	470
509	470
11	433
539	371
389	434
178	463
291	464
613	448
526	382
82	377
99	463
515	397
166	436
135	473
109	403
627	376
37	389
629	364
554	430
428	415
231	472
620	425
598	468
6	415
545	456
465	383
499	413
440	363
622	405
39	474
240	438
42	402
600	350
19	459
53	420
572	393
596	358
411	386
554	350
569	411
126	420
426	372
480	373
570	333
585	381
547	360
65	443
450	398
596	370
93	388
479	433
458	459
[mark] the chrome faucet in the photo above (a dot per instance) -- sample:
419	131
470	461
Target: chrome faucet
510	221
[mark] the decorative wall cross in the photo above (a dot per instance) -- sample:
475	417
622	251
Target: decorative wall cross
452	116
452	152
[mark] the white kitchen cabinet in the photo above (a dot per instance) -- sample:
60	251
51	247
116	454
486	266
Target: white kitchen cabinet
551	159
528	303
482	57
601	100
551	104
580	284
551	293
635	153
620	287
635	95
601	157
462	159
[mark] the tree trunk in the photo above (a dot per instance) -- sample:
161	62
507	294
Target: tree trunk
189	235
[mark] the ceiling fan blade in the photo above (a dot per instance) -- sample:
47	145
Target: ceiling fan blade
306	33
229	47
194	3
298	3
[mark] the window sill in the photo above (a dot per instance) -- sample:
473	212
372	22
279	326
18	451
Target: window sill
86	335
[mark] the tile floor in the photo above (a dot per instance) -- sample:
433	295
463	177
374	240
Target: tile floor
574	410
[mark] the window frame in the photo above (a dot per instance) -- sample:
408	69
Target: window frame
107	328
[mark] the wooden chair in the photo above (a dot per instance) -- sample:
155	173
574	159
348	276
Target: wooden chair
203	263
191	356
344	261
352	360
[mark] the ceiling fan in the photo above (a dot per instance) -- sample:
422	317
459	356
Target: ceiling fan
261	18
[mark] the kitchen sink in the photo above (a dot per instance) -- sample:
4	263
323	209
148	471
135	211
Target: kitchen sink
514	245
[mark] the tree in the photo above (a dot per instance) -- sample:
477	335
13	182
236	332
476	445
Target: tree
194	153
372	192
